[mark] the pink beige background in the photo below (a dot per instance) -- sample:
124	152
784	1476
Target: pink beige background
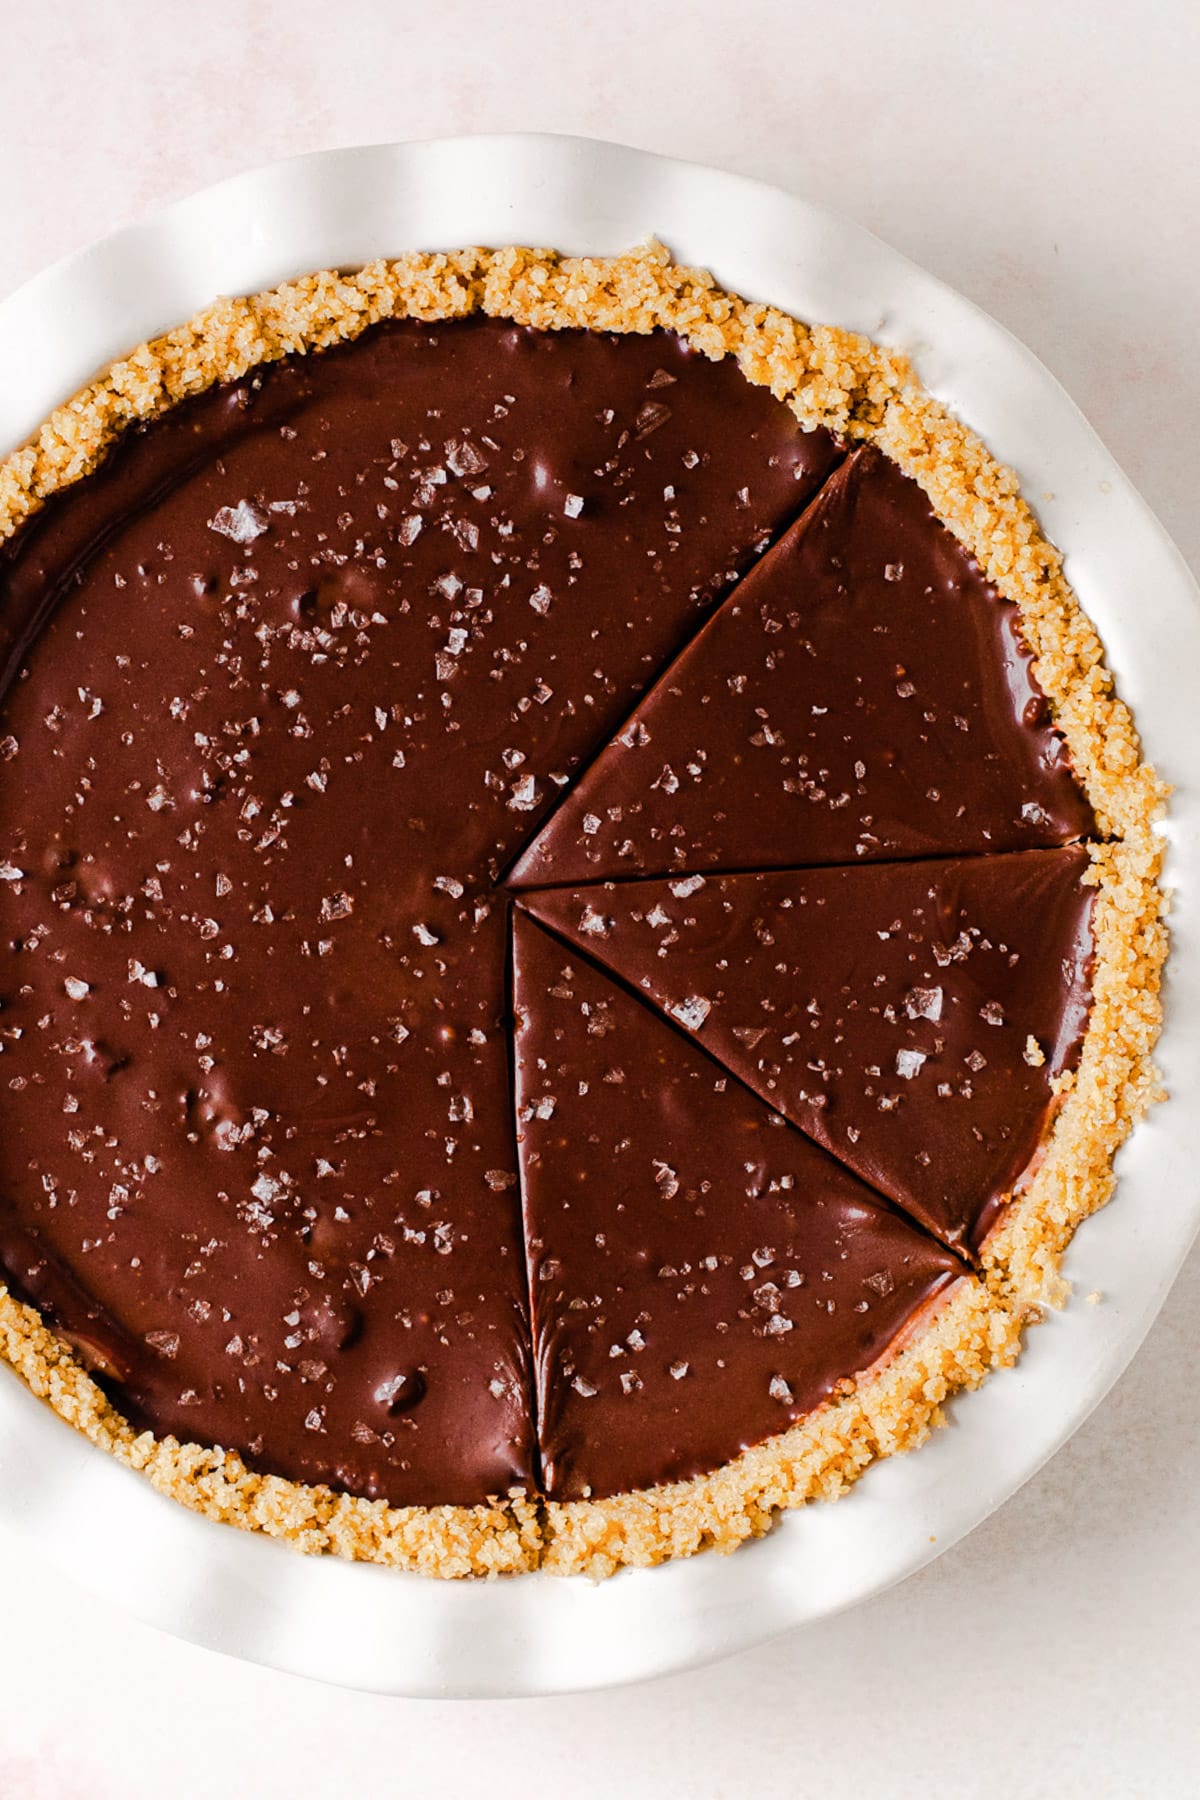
1043	159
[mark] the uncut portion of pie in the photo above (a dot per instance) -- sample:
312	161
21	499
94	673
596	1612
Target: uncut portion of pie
576	936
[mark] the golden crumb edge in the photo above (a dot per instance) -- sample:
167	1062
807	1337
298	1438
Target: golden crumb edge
863	392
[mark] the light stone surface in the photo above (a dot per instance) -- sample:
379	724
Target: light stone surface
1041	158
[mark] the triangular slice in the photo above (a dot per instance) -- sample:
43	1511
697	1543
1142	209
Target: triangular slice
863	694
911	1017
701	1275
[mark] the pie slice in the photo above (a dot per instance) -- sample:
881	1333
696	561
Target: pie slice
910	1017
863	694
701	1275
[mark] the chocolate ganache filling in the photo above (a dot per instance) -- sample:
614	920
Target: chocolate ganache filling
358	1111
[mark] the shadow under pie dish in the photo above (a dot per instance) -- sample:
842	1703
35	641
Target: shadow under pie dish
573	956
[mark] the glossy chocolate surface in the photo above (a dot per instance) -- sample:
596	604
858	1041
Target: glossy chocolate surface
701	1275
864	694
909	1017
289	689
293	679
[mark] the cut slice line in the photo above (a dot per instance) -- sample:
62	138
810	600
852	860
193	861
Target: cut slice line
863	694
702	1274
914	1020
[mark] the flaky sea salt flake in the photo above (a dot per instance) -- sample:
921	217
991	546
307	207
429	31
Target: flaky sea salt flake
462	458
666	1179
243	522
523	796
692	1012
924	1003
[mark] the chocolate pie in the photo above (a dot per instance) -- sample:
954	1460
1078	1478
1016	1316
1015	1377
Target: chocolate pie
580	918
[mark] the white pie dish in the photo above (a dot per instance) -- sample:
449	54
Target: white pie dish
371	1628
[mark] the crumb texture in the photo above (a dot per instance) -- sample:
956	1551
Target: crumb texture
864	393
